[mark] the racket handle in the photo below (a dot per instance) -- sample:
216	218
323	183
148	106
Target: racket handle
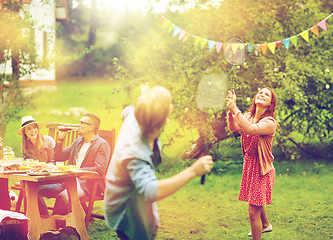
203	178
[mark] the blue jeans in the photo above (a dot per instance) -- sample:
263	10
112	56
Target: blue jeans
58	191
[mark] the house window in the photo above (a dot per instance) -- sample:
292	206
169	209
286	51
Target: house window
45	47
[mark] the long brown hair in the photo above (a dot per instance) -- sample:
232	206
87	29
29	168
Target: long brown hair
25	139
270	111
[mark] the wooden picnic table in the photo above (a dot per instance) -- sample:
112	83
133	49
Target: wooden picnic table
75	218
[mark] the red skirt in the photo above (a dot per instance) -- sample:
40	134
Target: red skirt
255	188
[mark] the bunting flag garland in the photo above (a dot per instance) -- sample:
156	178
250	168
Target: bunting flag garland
286	42
181	34
218	46
176	30
187	35
250	48
315	30
263	48
160	19
271	47
256	48
196	41
293	40
278	44
305	35
203	43
322	24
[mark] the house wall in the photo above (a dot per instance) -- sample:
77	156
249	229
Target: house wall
44	20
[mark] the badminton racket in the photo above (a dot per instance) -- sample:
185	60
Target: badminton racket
235	54
210	97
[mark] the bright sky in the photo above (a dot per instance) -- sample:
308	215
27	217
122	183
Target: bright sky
133	5
141	5
137	5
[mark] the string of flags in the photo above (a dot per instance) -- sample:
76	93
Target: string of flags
256	48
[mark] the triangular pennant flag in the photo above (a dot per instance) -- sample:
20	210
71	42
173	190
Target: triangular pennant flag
165	23
250	48
263	48
196	41
278	44
203	43
224	44
185	38
257	49
322	24
241	46
181	34
176	31
315	30
171	27
211	44
305	35
160	19
293	40
218	46
286	42
271	47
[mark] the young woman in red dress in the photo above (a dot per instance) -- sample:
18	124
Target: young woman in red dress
257	128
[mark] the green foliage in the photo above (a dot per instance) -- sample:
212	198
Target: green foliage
147	53
228	156
300	76
318	167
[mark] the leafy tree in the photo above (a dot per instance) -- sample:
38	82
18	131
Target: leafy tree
17	46
144	51
301	76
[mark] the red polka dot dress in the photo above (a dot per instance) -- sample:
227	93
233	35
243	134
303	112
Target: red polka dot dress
255	188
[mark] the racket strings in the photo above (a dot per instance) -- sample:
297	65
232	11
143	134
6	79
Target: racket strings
235	51
211	93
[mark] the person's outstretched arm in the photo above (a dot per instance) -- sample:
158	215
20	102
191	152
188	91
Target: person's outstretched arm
168	186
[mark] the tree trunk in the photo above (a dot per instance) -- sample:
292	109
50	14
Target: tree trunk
93	24
8	95
202	145
313	154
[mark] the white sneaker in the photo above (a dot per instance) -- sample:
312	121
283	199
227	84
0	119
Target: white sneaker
268	229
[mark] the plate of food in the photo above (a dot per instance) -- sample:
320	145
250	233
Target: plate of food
39	170
15	171
12	168
39	173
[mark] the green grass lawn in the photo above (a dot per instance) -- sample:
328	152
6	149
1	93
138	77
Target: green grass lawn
302	195
301	209
105	98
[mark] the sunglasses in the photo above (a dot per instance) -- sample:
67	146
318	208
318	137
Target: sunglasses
82	122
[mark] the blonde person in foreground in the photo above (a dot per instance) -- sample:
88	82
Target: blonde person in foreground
257	128
132	188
